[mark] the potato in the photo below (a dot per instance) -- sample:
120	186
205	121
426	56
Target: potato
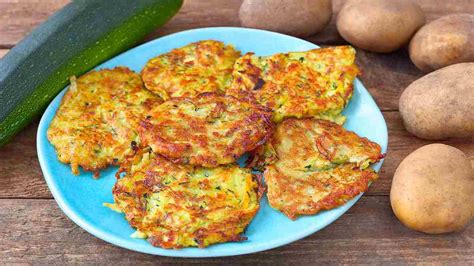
379	25
433	190
445	41
440	105
297	17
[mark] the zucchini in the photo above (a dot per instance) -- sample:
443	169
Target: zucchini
72	41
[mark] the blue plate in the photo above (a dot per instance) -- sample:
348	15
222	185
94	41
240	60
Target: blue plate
81	197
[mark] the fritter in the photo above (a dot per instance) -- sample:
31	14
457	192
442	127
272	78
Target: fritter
95	125
316	83
176	206
204	66
316	144
309	192
208	130
314	165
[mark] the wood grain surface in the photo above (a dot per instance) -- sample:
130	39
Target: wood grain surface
35	231
368	233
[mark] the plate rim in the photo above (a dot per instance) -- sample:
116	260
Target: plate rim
119	241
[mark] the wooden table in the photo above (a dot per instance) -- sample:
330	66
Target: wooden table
34	230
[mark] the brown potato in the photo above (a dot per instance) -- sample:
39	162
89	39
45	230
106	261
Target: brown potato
440	105
445	41
297	17
379	25
433	190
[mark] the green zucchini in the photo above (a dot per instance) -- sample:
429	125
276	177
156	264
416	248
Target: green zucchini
71	42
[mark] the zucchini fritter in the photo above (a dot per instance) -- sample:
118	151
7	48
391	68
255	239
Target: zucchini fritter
309	192
204	66
315	165
315	83
315	144
177	206
208	130
95	125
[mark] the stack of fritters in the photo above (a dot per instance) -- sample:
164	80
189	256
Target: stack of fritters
184	188
313	165
310	164
169	193
179	184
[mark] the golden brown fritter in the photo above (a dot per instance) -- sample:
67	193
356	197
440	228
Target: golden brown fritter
208	130
314	165
177	206
95	125
315	144
315	83
309	192
204	66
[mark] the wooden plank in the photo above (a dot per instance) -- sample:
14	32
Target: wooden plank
199	14
400	144
18	18
20	173
38	232
386	76
21	177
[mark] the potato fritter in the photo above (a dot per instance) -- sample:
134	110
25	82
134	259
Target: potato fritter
177	206
315	165
208	130
204	66
309	192
315	144
95	125
315	83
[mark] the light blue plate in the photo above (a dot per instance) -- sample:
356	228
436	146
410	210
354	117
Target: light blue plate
81	197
